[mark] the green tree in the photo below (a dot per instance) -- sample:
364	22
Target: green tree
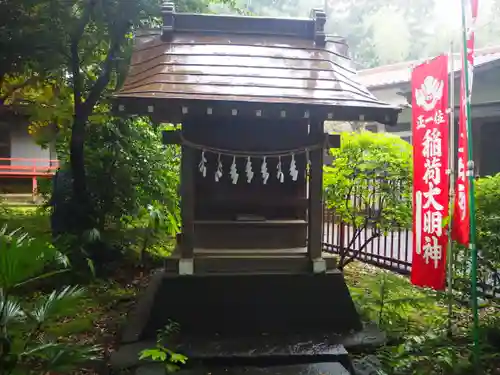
86	45
368	186
97	33
31	52
378	32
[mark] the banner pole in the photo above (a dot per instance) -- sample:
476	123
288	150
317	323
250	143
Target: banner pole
472	203
451	172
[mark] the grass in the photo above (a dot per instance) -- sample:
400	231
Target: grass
416	322
74	326
104	301
33	220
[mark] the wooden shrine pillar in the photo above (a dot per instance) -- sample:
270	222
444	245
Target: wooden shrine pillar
186	261
315	233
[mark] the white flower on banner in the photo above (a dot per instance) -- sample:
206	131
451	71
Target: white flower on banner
203	164
429	93
263	171
279	175
234	172
218	172
248	170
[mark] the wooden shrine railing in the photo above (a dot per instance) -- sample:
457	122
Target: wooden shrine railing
28	169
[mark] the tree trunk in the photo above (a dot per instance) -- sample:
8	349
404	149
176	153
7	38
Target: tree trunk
81	203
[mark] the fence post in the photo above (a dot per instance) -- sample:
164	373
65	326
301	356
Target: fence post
341	238
34	183
34	187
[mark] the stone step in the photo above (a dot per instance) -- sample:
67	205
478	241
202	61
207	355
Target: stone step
264	349
258	352
297	369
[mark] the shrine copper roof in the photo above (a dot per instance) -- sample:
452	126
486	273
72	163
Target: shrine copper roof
248	59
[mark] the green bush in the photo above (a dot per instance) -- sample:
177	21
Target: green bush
376	169
487	242
488	220
369	185
127	169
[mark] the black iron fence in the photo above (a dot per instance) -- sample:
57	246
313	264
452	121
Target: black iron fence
392	251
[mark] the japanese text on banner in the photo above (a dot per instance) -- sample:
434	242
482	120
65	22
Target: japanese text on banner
430	180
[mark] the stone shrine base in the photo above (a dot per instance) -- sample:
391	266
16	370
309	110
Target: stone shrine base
252	324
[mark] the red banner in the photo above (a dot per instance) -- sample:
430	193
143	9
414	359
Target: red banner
430	182
461	217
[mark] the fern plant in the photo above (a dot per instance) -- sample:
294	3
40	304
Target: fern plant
25	346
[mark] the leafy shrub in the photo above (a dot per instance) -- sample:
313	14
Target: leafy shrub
369	184
488	241
127	169
488	223
25	345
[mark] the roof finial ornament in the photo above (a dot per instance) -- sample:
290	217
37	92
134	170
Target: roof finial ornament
319	17
168	14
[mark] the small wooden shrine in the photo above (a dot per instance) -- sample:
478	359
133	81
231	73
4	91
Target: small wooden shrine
251	95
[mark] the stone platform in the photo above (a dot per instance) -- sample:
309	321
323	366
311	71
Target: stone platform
252	323
238	305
